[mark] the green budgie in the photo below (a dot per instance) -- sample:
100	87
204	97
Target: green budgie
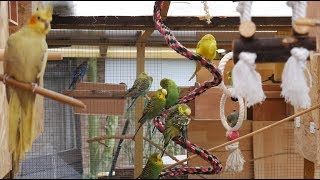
141	87
173	91
153	108
153	167
176	123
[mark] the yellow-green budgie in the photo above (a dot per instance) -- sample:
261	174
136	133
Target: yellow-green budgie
25	60
153	108
153	167
229	77
176	123
140	87
173	91
206	47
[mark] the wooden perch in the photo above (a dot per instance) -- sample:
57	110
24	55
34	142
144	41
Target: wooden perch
271	50
51	55
307	22
130	137
45	92
247	135
95	93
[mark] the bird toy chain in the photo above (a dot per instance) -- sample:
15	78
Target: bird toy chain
216	80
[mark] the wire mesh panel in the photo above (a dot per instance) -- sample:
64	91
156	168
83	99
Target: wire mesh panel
87	144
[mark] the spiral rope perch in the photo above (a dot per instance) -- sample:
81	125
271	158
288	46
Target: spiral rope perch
216	80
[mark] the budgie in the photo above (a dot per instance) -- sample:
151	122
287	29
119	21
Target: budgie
153	108
176	123
78	74
153	167
229	77
232	118
140	87
25	60
206	47
173	91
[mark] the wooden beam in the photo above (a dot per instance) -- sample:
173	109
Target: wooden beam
308	169
138	145
174	23
51	55
165	9
144	35
271	50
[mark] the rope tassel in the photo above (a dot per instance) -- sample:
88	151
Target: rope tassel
294	86
246	81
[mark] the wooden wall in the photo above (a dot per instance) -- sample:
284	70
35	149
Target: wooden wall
270	154
5	160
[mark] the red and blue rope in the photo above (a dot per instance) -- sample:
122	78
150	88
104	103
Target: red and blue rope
216	166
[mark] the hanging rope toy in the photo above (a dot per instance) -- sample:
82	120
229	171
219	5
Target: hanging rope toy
235	159
294	86
216	166
299	9
247	28
246	81
206	10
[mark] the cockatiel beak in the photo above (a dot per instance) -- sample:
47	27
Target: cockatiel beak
46	24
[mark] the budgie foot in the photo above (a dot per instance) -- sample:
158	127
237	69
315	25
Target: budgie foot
147	97
5	78
34	87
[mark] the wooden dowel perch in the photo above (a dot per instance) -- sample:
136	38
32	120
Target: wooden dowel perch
45	92
271	50
130	137
307	22
51	55
248	135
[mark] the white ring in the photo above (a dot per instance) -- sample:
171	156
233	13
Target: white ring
223	117
221	67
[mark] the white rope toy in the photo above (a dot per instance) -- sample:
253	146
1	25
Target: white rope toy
206	10
235	159
298	9
294	86
246	81
244	8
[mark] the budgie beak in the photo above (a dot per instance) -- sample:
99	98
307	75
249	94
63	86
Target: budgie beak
187	112
164	92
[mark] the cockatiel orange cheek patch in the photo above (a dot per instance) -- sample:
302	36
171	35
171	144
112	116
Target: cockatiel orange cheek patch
33	20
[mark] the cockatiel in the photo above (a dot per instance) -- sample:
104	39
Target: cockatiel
153	108
206	47
78	74
176	123
140	87
173	91
25	60
153	167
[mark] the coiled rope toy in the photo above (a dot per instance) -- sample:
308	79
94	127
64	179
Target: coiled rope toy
216	166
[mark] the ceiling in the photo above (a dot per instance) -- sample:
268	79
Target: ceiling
123	23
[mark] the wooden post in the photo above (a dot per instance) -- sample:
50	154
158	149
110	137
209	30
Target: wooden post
312	160
138	146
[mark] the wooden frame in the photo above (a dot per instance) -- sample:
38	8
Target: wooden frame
13	13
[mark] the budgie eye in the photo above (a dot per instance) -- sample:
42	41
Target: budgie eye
38	17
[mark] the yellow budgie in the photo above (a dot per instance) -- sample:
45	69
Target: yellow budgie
25	61
206	47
